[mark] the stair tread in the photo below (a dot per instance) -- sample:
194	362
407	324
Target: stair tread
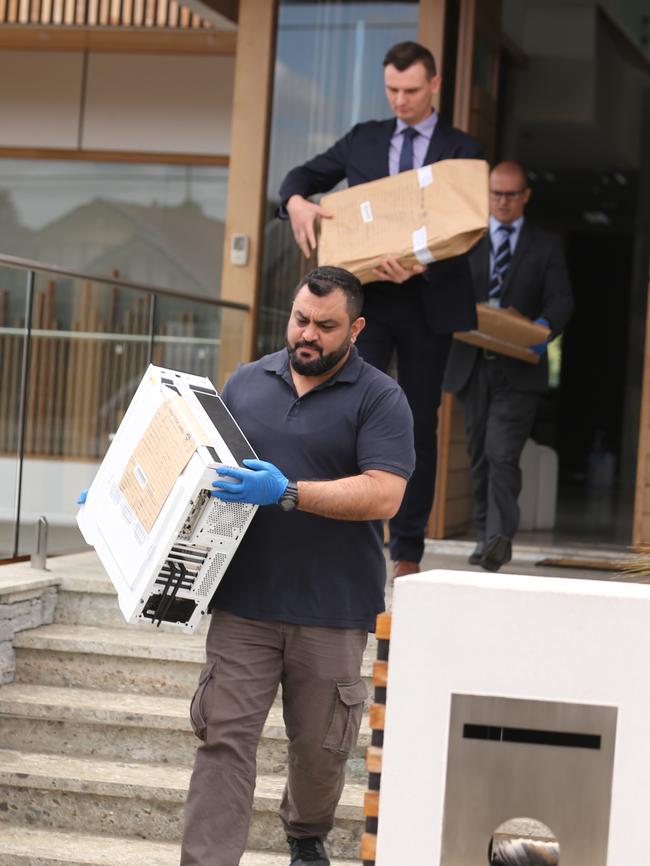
116	708
88	582
140	643
123	779
114	641
41	847
93	705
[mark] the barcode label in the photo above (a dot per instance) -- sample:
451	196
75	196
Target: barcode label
141	478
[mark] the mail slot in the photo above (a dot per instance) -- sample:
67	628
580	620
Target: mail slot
514	765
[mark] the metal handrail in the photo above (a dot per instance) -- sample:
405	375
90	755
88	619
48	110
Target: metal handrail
44	267
32	268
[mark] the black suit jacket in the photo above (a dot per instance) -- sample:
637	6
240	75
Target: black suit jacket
537	284
362	156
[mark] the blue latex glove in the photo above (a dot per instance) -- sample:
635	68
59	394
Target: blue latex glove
540	348
261	483
82	496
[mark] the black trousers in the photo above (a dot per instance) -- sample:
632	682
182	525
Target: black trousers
498	420
395	324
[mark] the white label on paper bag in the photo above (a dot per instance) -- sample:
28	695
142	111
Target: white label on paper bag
366	212
422	254
425	176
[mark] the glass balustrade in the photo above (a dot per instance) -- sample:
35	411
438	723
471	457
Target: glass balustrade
73	349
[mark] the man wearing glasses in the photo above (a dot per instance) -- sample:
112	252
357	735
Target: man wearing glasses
518	265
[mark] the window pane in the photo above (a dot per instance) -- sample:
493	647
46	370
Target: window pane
157	224
328	76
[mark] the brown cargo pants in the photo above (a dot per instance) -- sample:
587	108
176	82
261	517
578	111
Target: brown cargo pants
322	702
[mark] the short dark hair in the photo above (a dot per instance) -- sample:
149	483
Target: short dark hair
405	54
323	281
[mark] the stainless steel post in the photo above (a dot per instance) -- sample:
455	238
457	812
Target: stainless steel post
39	559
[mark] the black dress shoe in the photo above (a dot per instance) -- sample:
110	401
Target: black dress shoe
307	852
477	554
498	552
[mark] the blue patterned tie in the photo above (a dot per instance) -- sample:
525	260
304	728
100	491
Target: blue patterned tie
502	258
406	155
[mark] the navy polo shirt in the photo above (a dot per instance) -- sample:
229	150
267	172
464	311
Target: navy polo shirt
296	567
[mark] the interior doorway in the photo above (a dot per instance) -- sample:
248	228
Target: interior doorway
559	72
583	414
573	106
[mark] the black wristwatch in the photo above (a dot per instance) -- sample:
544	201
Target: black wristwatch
289	499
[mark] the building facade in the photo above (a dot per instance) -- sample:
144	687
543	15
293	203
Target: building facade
139	139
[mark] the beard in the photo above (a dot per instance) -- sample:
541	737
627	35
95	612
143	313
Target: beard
318	366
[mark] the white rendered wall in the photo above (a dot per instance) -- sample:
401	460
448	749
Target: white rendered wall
578	641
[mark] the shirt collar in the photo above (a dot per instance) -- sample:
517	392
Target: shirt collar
278	363
495	224
424	127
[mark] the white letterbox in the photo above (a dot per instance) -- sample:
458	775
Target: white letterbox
517	707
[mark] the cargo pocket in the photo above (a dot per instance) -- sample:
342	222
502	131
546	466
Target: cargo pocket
346	719
198	716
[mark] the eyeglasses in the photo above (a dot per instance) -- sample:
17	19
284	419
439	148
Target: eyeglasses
495	193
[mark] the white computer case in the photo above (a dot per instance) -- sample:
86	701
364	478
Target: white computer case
168	572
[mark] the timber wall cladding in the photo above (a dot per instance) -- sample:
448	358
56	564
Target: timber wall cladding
641	529
84	366
128	13
374	753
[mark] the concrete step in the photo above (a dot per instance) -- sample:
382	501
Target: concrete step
121	726
106	797
21	846
119	660
91	599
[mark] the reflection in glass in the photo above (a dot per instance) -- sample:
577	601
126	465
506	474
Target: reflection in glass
189	336
91	344
157	224
328	76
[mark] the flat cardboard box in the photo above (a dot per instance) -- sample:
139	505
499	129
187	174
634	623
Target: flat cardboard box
434	212
505	332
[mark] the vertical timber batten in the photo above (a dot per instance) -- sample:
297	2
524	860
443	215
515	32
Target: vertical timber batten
247	178
463	91
641	527
431	32
438	522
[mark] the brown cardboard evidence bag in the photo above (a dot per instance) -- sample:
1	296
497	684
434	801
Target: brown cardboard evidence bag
506	332
434	212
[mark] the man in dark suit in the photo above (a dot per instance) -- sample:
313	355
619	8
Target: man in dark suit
409	312
522	266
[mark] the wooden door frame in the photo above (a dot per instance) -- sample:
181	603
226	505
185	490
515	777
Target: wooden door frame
249	154
461	118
